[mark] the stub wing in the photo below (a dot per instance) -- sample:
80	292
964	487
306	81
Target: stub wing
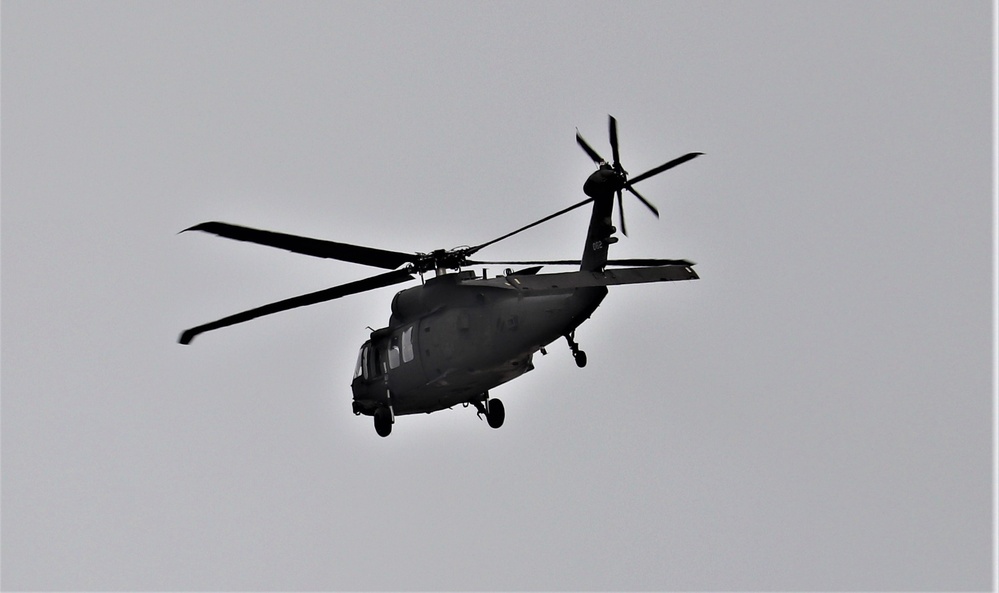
568	280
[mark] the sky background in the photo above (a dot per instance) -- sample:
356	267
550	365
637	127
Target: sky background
814	413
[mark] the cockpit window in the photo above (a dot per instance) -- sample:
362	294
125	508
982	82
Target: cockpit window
362	356
369	363
375	359
373	364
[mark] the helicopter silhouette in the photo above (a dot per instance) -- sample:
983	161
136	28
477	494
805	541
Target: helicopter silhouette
457	335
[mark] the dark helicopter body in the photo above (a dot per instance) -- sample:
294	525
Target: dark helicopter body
452	340
458	335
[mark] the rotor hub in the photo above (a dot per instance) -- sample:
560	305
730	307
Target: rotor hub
604	182
441	260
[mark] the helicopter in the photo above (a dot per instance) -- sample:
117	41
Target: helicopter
457	335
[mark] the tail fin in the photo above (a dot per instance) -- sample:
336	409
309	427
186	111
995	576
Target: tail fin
599	235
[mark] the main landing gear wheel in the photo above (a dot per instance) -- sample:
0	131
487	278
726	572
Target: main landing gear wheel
578	355
383	422
495	414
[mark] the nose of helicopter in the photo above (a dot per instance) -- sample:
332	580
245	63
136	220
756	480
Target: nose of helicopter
602	182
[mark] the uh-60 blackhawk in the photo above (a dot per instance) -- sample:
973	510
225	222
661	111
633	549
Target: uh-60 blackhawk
458	335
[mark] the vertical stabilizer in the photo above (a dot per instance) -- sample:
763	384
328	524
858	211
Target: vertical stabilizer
599	235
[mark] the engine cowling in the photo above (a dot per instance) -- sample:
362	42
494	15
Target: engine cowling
409	305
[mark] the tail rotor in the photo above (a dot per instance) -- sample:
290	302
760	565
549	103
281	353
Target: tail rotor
612	178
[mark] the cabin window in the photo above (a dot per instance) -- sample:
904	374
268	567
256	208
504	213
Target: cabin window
407	344
393	352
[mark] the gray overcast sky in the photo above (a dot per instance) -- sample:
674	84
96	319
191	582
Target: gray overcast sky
815	413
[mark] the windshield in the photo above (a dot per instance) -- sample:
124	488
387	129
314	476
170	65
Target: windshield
361	356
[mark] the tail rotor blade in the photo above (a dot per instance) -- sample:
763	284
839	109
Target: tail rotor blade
620	211
589	150
664	167
613	140
647	203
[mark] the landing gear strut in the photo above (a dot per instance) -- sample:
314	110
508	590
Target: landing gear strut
577	354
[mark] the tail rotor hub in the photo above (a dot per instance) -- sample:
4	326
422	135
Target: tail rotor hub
604	181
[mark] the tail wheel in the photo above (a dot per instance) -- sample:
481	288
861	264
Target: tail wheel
383	422
495	414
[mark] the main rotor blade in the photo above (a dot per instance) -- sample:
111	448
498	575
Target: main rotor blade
576	262
589	150
379	281
647	203
613	140
661	168
533	224
368	256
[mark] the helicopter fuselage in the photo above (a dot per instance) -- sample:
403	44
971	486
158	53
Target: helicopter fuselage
456	337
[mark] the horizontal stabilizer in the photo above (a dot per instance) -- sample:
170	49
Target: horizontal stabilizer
569	280
645	262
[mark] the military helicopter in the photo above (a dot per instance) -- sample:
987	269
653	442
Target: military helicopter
458	335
